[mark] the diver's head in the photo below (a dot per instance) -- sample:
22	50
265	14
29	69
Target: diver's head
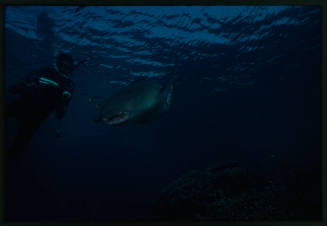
65	63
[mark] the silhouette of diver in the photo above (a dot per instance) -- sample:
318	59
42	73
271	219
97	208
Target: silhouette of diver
42	93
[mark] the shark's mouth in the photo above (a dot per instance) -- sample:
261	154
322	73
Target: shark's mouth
116	118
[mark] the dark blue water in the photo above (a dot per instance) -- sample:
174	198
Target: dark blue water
248	89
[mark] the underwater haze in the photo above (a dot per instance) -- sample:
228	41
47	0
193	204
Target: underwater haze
245	104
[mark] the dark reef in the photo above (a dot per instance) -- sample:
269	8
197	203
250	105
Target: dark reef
231	192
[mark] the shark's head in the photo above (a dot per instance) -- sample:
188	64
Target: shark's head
135	103
115	117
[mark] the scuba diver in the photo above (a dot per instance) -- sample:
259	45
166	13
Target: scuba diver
44	92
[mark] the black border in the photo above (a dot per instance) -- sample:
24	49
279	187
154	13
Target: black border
321	3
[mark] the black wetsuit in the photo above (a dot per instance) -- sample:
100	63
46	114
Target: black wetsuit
39	96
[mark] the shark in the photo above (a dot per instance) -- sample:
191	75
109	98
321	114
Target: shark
142	101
